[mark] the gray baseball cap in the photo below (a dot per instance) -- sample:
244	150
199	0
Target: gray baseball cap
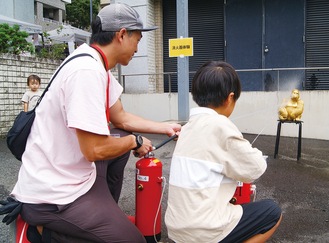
118	15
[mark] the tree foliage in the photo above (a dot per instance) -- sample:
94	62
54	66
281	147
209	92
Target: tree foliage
12	40
78	12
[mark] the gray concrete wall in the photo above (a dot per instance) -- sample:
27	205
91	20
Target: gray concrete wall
144	61
255	112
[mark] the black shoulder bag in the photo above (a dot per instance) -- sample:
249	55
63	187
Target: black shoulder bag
19	132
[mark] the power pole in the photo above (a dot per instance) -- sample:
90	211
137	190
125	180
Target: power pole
182	62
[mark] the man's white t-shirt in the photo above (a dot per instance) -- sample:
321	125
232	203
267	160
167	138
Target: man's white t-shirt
54	169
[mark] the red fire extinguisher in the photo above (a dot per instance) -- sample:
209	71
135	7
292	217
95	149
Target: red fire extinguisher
149	195
244	193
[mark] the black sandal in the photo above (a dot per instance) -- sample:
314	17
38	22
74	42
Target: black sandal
34	236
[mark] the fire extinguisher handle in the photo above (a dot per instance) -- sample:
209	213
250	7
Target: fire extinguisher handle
164	142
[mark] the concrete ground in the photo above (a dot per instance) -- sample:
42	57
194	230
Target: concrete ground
300	187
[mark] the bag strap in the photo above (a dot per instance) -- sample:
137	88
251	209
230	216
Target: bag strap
106	66
57	71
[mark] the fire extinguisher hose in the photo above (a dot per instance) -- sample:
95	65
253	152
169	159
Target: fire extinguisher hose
159	207
164	142
136	154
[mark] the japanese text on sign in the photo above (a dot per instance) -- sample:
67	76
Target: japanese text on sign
180	47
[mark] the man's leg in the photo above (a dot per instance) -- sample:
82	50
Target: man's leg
115	168
94	217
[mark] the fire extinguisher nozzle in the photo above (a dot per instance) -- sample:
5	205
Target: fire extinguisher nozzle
164	142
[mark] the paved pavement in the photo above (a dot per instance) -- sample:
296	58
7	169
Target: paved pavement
300	187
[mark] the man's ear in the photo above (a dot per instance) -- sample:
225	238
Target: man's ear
120	34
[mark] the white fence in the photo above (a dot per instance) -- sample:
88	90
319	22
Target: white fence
255	112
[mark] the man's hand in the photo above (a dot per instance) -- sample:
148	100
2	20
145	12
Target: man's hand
144	149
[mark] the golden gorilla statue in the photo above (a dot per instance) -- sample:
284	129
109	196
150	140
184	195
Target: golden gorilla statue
292	109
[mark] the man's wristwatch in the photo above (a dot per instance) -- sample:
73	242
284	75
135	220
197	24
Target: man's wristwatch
139	141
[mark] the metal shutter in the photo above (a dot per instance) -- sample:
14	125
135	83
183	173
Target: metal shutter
317	44
206	26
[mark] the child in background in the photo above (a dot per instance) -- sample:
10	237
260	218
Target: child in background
210	157
31	97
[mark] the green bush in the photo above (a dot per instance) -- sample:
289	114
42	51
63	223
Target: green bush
12	40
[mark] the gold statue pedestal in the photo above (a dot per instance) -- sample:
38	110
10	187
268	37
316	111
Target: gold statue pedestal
278	134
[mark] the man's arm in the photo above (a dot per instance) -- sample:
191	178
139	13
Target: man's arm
100	147
132	123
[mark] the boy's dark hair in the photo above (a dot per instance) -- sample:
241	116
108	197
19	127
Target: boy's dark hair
98	35
33	77
213	82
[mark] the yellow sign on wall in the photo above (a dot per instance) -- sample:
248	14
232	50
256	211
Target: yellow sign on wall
181	47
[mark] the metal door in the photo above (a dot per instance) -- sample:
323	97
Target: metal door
266	34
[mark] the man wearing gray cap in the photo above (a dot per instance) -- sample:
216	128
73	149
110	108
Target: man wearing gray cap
72	171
